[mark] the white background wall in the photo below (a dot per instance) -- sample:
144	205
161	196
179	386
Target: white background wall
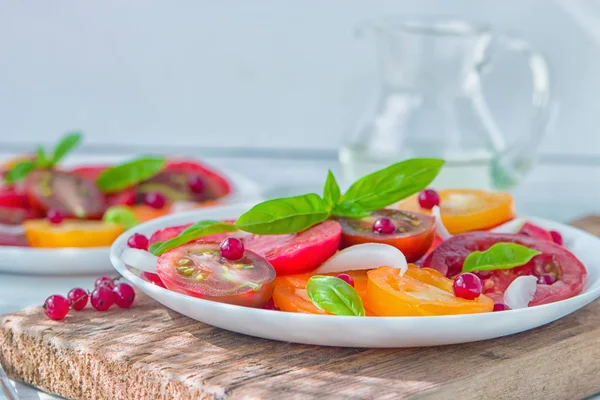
263	73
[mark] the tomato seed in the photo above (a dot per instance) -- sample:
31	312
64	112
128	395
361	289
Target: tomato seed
184	261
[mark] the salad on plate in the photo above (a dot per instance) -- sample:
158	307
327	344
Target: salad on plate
46	205
387	246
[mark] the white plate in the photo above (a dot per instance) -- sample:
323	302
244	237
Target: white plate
69	261
363	331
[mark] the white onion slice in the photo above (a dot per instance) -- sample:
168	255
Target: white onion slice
520	292
364	256
180	205
12	229
140	259
440	229
513	226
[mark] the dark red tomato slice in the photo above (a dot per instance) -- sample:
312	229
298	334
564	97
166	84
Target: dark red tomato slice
217	184
298	252
71	195
569	272
529	229
126	197
198	270
413	236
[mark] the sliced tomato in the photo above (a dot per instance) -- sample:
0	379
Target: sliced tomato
421	291
570	273
90	172
71	195
15	208
217	184
529	229
465	210
298	252
290	292
154	279
70	233
126	197
413	236
7	239
198	270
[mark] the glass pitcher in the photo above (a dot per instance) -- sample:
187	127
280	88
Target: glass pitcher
431	104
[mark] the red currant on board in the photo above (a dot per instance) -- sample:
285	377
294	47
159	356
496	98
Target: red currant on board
155	200
102	298
124	295
78	298
346	278
56	307
55	217
384	226
106	281
428	199
232	248
138	241
467	286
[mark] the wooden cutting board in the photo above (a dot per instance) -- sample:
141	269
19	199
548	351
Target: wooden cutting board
151	352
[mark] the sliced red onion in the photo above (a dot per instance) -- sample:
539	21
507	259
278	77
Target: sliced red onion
520	292
12	229
440	229
139	259
364	256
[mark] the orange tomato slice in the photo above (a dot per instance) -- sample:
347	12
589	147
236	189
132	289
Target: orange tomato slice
70	233
421	291
290	292
465	210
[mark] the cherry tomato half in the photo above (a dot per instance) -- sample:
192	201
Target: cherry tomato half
71	195
420	291
70	233
465	210
569	272
413	236
198	270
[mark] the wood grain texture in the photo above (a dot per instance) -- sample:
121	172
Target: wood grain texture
150	352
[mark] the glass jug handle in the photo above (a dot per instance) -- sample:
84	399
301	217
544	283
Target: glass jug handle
515	160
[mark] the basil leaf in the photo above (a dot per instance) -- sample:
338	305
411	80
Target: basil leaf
349	210
499	256
334	296
285	215
19	171
392	184
121	215
331	191
198	230
125	175
41	158
66	144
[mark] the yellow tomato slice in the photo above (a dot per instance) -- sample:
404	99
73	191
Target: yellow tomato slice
421	291
465	210
70	233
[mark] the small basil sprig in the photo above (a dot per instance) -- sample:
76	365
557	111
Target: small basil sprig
20	170
499	256
334	296
128	174
370	193
195	231
121	215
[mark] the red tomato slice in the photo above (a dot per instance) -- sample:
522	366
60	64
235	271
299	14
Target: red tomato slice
449	257
535	231
218	183
298	252
154	279
15	208
413	236
198	270
71	195
126	197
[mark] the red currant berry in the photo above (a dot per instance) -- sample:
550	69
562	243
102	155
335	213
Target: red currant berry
346	278
501	307
155	200
124	295
467	286
56	307
138	241
546	279
102	298
557	237
429	198
384	226
232	248
106	281
55	217
196	184
270	305
78	298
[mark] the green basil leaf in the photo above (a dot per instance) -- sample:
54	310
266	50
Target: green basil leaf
334	296
125	175
66	144
121	215
349	210
392	184
42	160
331	191
499	256
195	231
285	215
19	171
